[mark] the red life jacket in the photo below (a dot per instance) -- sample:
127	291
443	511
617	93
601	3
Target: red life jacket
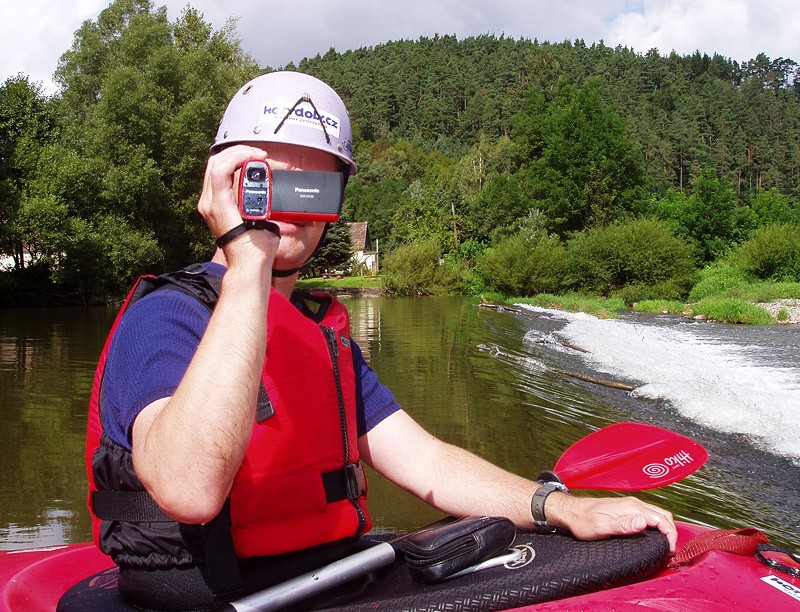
300	484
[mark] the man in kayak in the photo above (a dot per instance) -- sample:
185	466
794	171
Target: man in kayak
231	414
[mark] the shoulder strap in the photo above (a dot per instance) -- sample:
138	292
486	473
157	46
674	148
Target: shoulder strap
193	280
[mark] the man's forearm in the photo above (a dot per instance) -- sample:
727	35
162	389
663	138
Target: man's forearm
198	437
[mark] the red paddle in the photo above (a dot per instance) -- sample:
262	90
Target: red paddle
629	457
624	457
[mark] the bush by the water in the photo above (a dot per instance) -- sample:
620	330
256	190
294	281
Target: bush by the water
727	279
524	264
418	269
773	253
660	306
723	278
643	255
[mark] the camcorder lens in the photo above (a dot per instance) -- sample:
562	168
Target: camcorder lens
256	174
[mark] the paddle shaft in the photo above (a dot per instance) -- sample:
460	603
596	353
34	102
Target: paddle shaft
323	579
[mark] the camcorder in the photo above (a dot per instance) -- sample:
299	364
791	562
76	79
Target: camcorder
289	195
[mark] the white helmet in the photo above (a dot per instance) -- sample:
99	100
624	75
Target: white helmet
290	108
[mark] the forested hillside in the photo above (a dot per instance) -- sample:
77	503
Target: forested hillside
494	154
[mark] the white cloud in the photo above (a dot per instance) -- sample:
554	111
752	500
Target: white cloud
739	29
35	33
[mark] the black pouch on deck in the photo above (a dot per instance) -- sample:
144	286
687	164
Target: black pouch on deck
434	554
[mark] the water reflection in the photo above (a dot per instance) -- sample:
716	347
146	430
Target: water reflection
47	358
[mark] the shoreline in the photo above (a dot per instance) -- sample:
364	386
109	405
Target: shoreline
792	308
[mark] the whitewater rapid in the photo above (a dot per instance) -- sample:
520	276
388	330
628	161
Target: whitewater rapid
714	375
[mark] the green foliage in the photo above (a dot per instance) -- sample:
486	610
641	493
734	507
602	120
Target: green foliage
427	213
727	279
335	254
308	283
102	258
116	192
768	292
42	225
722	278
587	172
772	253
418	269
730	310
27	125
770	206
710	217
456	140
524	264
498	207
635	253
669	290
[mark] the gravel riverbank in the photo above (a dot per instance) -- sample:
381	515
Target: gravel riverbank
792	308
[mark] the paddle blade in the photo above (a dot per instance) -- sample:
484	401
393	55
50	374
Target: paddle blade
629	457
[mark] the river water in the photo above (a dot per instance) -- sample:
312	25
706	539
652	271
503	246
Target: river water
497	382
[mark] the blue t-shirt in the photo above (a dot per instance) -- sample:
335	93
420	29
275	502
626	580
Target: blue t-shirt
152	348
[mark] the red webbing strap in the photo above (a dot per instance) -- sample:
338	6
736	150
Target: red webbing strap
738	541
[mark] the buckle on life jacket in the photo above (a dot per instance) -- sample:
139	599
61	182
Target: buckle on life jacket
348	483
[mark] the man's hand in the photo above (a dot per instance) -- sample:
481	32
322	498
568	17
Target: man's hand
594	518
462	484
219	208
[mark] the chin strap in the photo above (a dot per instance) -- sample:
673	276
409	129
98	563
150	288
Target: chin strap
285	273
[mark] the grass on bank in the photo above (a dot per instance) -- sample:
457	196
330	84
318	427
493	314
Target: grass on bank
724	293
346	282
604	308
727	310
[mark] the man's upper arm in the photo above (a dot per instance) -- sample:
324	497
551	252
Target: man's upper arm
149	354
401	450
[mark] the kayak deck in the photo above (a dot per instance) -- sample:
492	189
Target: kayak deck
34	580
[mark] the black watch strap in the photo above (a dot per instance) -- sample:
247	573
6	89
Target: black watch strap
537	505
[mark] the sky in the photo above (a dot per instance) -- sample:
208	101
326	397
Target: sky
35	33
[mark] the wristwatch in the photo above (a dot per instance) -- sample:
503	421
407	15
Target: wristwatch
540	523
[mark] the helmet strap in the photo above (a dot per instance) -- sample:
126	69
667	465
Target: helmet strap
285	273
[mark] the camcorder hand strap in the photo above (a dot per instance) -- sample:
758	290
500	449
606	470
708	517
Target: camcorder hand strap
245	226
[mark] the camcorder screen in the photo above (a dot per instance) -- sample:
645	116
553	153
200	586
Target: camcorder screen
288	195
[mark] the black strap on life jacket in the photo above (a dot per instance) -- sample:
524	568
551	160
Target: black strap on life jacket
139	507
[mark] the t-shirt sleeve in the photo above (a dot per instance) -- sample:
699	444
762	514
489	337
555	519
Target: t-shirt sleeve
149	354
374	400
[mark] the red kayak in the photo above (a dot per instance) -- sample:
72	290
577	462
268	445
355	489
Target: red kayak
35	579
713	569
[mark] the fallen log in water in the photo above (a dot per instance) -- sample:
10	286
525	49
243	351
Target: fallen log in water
495	350
597	381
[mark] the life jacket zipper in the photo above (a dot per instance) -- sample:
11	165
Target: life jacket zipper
333	349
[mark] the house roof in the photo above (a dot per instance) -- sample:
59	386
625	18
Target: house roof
359	236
